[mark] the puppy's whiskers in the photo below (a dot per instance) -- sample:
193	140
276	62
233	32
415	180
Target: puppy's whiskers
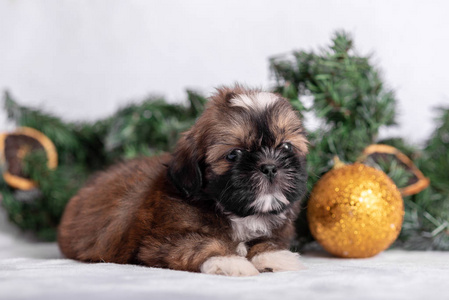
224	191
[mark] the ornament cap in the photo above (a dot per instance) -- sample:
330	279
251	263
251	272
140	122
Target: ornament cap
338	163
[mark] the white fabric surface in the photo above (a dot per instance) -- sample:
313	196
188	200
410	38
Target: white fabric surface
30	270
37	271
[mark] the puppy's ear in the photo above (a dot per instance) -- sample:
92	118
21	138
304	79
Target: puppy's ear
224	95
229	96
184	170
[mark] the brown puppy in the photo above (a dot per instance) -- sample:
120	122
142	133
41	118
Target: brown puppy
223	203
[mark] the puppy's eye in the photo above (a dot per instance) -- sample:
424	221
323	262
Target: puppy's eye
233	155
287	146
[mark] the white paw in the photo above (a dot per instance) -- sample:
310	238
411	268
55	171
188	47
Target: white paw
229	265
277	261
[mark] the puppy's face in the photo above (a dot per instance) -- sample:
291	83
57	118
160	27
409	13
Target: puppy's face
246	153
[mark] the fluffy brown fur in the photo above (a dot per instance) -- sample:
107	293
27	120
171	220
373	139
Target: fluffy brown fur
162	212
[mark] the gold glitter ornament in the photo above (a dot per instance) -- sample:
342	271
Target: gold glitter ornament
355	211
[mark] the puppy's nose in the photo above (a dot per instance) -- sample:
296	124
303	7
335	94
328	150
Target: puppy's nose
269	170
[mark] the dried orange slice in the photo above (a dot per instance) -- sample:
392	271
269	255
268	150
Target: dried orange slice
13	149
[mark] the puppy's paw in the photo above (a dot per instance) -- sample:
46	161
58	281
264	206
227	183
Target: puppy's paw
229	266
277	261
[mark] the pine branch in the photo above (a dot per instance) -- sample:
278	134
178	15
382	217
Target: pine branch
352	103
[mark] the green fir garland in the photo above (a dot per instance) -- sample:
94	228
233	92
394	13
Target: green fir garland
150	127
352	103
349	99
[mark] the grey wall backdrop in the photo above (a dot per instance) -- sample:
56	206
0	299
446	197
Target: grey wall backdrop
83	59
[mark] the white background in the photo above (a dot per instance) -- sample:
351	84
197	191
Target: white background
84	59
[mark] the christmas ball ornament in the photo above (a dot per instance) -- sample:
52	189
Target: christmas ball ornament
355	211
15	146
